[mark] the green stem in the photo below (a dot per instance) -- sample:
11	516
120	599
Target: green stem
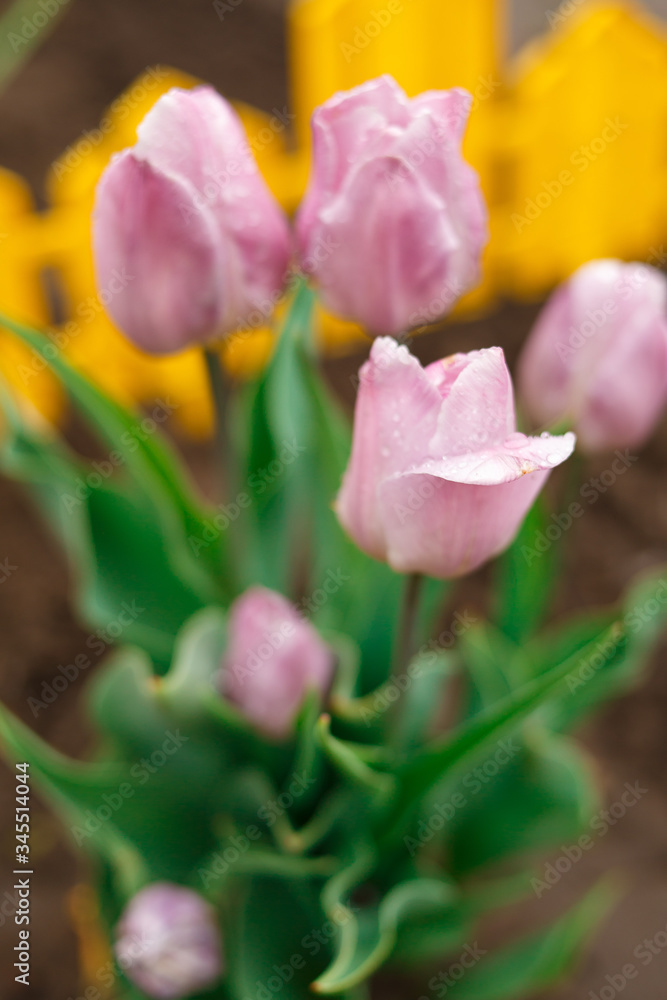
219	386
407	637
322	823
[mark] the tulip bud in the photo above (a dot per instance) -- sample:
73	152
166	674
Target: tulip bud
597	355
168	942
439	480
393	223
273	658
187	218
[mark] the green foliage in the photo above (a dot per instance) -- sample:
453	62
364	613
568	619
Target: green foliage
378	833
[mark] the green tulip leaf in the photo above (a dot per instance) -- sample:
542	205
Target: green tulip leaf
152	466
542	796
351	761
539	961
368	937
525	577
277	937
452	753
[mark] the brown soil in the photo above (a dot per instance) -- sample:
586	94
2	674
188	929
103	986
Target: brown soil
97	49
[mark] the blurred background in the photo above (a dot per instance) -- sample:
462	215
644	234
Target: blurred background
91	55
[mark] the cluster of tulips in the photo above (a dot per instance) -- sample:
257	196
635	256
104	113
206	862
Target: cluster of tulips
392	230
439	481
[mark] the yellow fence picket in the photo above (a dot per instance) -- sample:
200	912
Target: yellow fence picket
569	141
585	135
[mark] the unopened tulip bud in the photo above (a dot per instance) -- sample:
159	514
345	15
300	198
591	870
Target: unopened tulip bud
168	942
397	209
439	480
598	355
273	658
186	215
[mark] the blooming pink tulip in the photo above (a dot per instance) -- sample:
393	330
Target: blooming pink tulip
273	658
393	224
439	480
168	942
598	355
187	220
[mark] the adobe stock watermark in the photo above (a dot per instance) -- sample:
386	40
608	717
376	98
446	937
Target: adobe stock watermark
444	981
131	440
31	26
592	663
220	187
257	485
365	33
332	582
470	786
645	952
590	493
633	622
563	11
274	641
596	319
139	774
581	159
312	944
86	311
376	704
429	145
121	108
225	7
97	643
600	825
107	974
268	814
264	310
7	570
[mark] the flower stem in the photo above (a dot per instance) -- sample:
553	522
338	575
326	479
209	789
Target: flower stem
219	386
407	638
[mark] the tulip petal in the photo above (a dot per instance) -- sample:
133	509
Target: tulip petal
516	457
396	413
450	108
478	412
598	355
451	491
168	942
447	529
399	262
274	657
349	122
197	135
545	364
200	137
392	199
628	393
147	227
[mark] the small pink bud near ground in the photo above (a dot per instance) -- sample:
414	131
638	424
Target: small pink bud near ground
168	942
273	658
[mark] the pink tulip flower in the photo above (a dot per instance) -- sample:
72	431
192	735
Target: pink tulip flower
598	355
393	223
273	658
188	221
168	942
439	480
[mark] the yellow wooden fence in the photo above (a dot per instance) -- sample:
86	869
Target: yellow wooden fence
569	137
